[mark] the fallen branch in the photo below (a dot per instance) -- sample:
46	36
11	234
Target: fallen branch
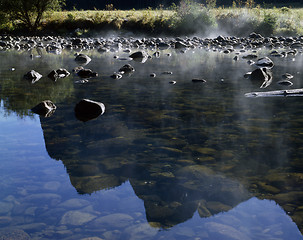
277	93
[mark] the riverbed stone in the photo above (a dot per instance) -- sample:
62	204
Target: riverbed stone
116	220
76	218
32	76
82	59
13	234
45	108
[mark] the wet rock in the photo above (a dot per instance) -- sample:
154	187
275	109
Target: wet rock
59	73
156	54
262	74
87	109
163	45
13	234
116	220
180	45
152	75
32	76
247	75
116	76
127	68
139	56
265	62
82	59
76	218
167	73
285	83
287	76
87	73
296	45
198	80
45	108
250	56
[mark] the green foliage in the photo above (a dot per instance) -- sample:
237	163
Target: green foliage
268	25
285	10
211	3
29	12
192	17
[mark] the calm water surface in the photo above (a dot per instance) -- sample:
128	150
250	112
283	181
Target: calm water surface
166	161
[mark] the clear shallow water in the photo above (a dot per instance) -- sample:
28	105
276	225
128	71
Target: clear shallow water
182	161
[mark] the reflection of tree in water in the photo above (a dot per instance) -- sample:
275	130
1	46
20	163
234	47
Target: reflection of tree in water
175	171
18	95
180	151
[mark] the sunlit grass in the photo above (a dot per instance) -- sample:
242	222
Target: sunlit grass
230	21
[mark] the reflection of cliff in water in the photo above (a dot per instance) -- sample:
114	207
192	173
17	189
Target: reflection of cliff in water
105	152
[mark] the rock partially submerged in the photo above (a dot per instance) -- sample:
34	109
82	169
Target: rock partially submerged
262	74
139	56
88	109
127	68
265	62
82	59
86	73
45	108
32	76
59	73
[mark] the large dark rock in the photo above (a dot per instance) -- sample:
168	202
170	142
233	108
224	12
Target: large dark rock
82	59
32	76
86	73
87	109
127	68
59	73
139	56
263	75
45	108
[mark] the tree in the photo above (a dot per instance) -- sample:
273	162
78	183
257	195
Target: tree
29	12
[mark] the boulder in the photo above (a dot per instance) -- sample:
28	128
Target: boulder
116	76
127	68
87	109
265	62
262	74
86	73
45	108
82	59
59	73
139	56
32	76
180	45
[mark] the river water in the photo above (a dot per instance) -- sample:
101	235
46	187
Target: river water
169	159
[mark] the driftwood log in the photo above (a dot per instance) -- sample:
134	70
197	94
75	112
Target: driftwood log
277	93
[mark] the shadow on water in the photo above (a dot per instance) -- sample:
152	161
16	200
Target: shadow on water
184	148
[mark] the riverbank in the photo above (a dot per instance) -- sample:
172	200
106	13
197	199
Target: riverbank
183	20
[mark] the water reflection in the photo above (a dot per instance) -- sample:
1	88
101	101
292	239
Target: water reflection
186	149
